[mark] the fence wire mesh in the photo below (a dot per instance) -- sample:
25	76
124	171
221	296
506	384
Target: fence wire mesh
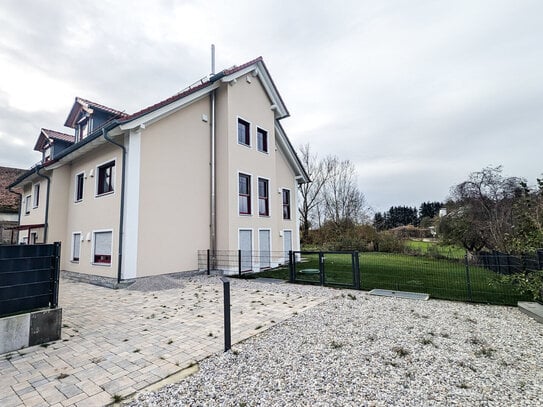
478	277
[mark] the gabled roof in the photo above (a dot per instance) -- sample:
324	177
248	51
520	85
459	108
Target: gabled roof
204	83
86	105
47	135
9	202
122	122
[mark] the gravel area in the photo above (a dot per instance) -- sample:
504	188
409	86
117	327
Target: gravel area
356	350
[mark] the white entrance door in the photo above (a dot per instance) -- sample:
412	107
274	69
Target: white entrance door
287	242
264	245
246	247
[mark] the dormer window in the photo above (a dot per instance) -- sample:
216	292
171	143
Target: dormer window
47	154
83	128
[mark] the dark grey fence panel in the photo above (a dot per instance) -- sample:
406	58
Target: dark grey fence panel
28	277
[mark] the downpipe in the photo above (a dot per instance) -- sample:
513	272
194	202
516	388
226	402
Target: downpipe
46	225
121	215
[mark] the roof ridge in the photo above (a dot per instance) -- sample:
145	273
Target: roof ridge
191	89
100	106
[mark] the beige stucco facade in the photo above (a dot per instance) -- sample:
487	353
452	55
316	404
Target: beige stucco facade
161	218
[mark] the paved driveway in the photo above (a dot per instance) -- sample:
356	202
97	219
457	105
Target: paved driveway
117	342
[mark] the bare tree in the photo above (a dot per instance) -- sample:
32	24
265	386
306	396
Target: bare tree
482	210
343	201
311	193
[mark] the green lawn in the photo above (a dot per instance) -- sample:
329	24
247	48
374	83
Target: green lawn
435	248
441	278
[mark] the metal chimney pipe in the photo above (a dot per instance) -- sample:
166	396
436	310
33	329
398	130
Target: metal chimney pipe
212	59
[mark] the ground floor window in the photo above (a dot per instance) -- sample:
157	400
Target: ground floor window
76	246
102	247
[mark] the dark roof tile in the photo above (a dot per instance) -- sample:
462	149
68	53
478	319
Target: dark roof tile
9	202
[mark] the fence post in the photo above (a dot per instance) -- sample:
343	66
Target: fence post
54	277
468	280
208	262
321	267
227	327
239	262
291	268
356	271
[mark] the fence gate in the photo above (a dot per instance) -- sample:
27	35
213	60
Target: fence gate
29	277
337	269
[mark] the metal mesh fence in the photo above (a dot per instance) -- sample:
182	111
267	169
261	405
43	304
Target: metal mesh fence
450	276
240	262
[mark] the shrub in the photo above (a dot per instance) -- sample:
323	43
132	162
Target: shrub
388	242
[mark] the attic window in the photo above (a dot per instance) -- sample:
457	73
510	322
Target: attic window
83	129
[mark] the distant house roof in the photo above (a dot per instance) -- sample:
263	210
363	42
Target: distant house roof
46	135
86	105
9	202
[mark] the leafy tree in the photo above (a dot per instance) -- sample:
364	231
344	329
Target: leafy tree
379	221
429	209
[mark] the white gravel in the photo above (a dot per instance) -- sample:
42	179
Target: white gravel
357	350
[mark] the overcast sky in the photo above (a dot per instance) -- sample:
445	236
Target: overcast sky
417	94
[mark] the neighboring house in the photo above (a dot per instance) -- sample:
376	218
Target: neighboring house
138	195
9	205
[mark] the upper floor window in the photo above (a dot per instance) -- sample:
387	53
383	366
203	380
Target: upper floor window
262	140
82	128
47	154
105	178
244	132
36	195
244	194
286	204
263	197
27	204
79	180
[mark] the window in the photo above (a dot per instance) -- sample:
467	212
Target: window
79	179
262	140
102	247
286	204
244	194
27	204
36	195
244	132
263	197
47	154
105	178
76	246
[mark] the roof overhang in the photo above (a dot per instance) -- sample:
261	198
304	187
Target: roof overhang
164	111
284	144
42	140
258	69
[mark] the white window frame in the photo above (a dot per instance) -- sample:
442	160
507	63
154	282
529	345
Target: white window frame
290	203
36	196
28	203
251	199
269	197
113	178
72	248
75	186
93	245
238	118
267	141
